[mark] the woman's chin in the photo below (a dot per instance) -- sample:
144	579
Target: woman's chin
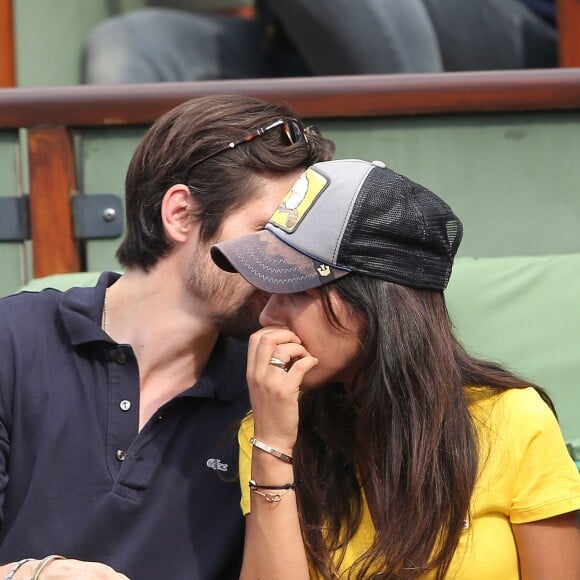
317	378
312	381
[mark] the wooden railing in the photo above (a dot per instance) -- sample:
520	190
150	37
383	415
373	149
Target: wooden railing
344	96
51	114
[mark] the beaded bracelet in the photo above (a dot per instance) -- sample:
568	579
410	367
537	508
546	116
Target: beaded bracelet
16	566
271	497
270	450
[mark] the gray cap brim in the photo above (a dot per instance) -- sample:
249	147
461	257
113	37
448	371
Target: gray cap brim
271	265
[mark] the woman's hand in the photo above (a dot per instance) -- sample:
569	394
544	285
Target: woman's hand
274	390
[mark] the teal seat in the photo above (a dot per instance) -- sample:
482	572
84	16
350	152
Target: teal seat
62	281
525	313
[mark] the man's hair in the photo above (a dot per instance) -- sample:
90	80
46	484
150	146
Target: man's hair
221	184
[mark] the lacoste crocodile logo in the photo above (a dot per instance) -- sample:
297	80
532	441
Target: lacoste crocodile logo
217	465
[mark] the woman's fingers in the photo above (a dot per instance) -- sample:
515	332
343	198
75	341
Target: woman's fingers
268	338
277	363
303	365
278	349
271	342
287	353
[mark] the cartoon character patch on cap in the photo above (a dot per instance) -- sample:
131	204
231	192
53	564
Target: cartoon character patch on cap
299	200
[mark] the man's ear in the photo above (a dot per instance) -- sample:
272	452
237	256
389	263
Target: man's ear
177	210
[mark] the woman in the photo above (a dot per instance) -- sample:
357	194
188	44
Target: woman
377	446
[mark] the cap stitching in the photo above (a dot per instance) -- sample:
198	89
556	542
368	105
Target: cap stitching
274	270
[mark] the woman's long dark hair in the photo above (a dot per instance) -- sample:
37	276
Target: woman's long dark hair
405	433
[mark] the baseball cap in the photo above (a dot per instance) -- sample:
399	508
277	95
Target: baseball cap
348	216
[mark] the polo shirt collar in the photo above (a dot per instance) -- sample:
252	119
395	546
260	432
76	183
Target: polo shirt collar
81	310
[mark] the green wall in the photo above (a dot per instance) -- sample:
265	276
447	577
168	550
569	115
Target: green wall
106	155
49	36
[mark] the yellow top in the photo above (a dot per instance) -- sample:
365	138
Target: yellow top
526	474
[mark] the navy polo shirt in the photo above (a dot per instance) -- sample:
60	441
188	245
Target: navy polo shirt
76	477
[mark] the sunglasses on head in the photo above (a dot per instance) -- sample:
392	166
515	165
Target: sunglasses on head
291	128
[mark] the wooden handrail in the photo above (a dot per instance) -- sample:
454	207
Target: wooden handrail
7	60
344	96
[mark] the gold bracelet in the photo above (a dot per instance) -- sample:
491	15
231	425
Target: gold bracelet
269	496
43	564
271	451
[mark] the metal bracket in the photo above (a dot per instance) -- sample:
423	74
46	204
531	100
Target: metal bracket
96	216
14	219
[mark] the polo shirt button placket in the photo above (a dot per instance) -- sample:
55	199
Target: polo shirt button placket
124	408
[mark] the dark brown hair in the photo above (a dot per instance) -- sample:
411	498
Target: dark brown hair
406	434
221	184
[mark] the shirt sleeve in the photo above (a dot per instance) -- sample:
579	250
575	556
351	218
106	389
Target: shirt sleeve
246	431
547	482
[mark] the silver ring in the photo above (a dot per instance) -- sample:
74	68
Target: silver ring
276	362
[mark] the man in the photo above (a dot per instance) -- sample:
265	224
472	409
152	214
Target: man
118	403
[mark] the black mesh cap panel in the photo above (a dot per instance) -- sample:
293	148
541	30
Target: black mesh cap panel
401	232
